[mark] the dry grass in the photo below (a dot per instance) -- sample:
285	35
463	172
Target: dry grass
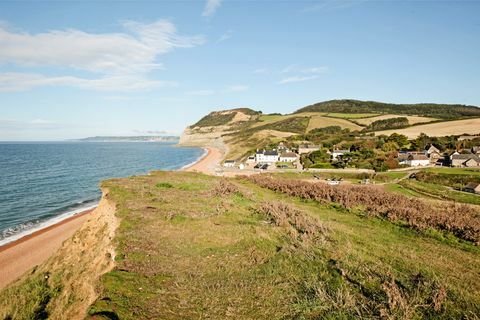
461	220
440	129
321	122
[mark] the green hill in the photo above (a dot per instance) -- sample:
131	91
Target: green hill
443	111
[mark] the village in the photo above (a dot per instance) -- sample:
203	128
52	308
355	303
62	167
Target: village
282	158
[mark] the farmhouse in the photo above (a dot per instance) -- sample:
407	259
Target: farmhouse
288	157
307	148
419	160
464	160
266	156
473	187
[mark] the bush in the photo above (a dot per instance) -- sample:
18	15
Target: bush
461	220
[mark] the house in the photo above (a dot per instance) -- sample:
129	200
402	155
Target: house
288	157
464	160
338	153
417	160
476	150
472	187
282	147
307	148
431	150
436	158
229	163
266	156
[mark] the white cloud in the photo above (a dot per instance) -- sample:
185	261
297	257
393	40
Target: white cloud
237	88
296	79
211	7
201	93
260	71
11	82
121	59
227	35
294	68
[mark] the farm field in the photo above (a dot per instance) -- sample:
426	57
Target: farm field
321	122
457	127
351	115
411	119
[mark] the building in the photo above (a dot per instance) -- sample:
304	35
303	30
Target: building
229	163
338	153
307	148
436	158
431	150
464	160
417	160
282	147
266	156
472	187
288	157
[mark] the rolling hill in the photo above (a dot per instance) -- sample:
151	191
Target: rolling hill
241	131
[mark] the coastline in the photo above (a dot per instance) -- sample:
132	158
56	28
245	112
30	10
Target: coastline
29	250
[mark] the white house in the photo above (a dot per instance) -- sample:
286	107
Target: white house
417	160
250	159
288	157
266	156
337	153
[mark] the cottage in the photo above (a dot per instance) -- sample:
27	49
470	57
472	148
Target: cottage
472	187
250	159
464	160
282	147
288	157
417	160
431	150
269	156
338	153
435	158
307	148
229	163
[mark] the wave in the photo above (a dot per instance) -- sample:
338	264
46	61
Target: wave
204	154
19	231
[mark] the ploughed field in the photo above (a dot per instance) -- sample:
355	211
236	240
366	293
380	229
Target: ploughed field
191	246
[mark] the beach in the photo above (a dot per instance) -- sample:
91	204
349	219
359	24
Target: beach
19	256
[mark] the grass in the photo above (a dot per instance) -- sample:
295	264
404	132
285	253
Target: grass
440	192
322	121
352	115
446	170
201	253
192	246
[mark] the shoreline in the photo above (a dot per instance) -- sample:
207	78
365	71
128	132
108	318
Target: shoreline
27	251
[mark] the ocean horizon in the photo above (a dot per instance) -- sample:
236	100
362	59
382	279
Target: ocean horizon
45	182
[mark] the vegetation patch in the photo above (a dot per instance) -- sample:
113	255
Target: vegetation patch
386	124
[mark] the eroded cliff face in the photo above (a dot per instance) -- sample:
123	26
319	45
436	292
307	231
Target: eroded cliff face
67	281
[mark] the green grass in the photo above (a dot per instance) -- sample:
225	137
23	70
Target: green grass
352	115
269	117
466	171
204	254
440	192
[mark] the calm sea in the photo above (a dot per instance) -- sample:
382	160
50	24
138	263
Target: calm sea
44	182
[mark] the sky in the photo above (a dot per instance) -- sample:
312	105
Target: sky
72	69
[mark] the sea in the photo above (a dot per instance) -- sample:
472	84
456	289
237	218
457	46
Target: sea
42	183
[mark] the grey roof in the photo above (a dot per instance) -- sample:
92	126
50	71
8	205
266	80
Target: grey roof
270	153
417	157
472	185
465	157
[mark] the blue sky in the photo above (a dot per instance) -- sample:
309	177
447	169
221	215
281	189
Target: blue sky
70	69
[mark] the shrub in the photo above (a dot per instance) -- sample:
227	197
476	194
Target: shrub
461	220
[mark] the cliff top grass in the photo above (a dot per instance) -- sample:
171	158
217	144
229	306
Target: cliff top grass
191	246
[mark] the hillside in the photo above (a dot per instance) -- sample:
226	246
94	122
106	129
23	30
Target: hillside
192	246
442	111
241	131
